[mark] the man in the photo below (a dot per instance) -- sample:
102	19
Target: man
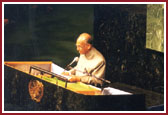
91	64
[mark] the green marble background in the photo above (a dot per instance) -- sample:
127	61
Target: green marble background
155	27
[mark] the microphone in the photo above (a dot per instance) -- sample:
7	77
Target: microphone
76	59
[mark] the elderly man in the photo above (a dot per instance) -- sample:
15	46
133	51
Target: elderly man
91	64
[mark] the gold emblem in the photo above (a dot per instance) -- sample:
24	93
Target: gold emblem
36	89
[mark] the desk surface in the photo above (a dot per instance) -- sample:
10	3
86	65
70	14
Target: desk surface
77	87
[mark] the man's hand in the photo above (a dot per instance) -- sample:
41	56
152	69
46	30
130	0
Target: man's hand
75	78
65	73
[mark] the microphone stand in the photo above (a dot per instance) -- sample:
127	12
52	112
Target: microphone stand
69	65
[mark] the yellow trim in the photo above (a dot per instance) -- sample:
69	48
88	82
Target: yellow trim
94	92
28	62
77	87
9	63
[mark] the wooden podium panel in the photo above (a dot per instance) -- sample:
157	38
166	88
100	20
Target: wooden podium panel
54	95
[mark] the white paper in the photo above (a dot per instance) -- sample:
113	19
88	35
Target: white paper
58	70
113	91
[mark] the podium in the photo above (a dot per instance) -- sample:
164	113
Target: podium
39	86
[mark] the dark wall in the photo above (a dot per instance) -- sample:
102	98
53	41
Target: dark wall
45	31
120	34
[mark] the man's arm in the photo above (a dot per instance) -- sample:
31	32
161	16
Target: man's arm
95	74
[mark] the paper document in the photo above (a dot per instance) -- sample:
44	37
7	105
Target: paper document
58	70
113	91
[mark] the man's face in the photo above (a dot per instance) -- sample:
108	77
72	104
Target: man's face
82	46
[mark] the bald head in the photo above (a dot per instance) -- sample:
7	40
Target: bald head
82	43
85	37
